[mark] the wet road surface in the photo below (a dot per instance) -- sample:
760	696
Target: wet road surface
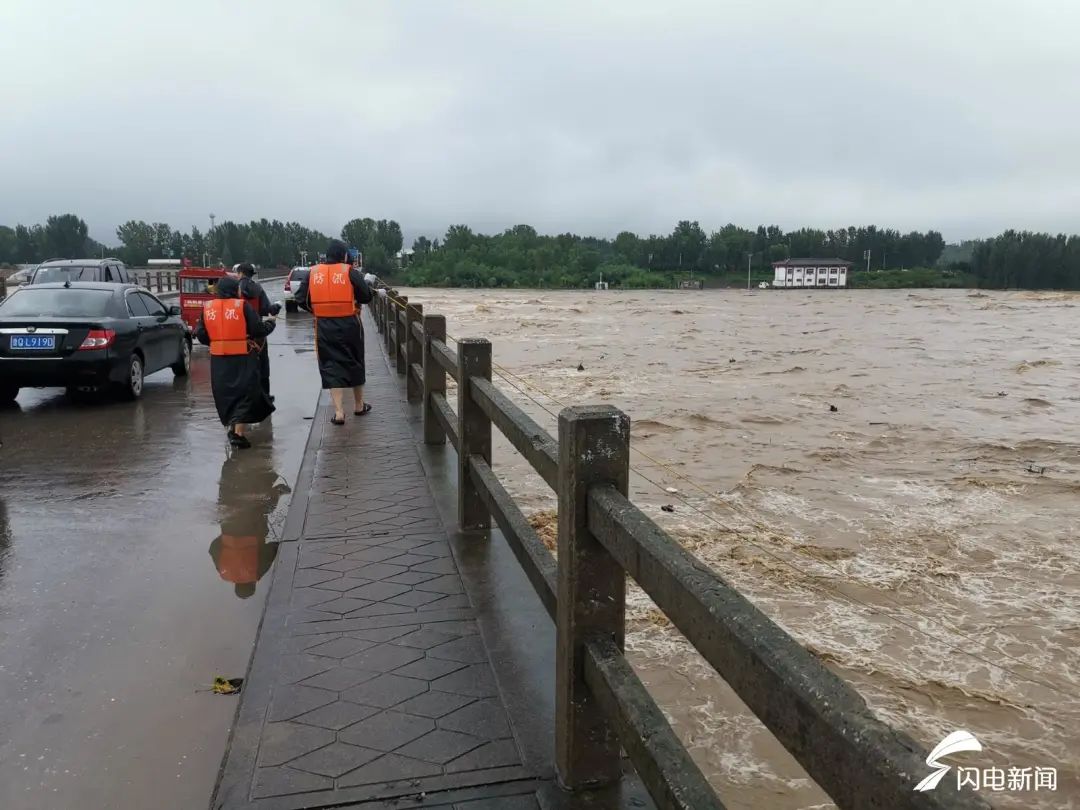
131	552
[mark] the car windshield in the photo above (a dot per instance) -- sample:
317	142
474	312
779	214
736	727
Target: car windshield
67	273
56	302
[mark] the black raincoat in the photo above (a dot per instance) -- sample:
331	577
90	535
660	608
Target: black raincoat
249	288
339	342
236	380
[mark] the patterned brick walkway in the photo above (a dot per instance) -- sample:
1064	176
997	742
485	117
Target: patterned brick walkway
370	683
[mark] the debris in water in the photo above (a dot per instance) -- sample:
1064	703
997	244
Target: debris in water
833	408
1002	394
672	490
580	367
227	686
732	360
667	507
1038	469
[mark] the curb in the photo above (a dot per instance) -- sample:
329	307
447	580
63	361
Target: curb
298	506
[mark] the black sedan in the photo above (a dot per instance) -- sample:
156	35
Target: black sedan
86	335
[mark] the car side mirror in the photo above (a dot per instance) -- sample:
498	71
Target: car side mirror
174	310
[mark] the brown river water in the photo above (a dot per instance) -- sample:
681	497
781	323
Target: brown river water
921	538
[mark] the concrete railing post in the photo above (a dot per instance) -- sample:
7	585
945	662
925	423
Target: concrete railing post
389	314
594	448
434	378
380	303
158	280
414	352
3	287
402	337
474	431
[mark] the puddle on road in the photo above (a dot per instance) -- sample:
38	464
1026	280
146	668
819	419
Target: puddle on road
127	534
249	491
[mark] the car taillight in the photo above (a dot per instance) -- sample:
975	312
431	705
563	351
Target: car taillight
98	339
288	285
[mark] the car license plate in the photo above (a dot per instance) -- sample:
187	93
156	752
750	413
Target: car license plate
31	342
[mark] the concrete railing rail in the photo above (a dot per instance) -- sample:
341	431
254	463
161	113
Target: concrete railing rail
601	705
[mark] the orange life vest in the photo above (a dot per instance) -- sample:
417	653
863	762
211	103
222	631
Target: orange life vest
331	292
238	562
226	325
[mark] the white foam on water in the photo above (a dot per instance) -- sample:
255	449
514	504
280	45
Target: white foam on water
914	498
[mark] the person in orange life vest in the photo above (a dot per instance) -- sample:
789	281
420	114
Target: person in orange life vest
234	332
252	292
248	493
333	292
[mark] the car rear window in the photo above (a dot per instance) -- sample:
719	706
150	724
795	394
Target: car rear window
58	302
198	286
45	275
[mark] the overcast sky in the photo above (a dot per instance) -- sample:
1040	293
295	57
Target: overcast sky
594	117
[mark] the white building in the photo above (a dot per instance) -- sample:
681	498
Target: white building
811	273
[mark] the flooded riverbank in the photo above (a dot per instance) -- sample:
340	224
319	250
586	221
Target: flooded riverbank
890	475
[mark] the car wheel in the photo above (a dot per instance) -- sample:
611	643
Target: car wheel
132	387
8	392
182	366
290	306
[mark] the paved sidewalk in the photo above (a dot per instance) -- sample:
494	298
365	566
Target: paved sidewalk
370	683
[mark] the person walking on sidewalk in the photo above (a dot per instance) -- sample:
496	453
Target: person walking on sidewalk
333	293
235	333
252	292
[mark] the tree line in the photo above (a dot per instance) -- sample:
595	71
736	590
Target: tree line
267	243
519	256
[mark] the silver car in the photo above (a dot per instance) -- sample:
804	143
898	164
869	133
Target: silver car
296	275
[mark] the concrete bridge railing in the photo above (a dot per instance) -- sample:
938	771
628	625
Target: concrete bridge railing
601	705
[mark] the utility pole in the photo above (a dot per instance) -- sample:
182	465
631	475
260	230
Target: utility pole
866	255
749	256
212	217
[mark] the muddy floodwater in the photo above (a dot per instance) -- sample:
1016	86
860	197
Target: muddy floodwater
890	475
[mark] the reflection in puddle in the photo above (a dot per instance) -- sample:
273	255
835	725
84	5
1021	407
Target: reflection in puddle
248	493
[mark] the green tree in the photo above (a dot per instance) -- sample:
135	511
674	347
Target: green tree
688	244
29	243
360	234
65	235
138	239
458	237
7	245
388	234
378	261
256	250
628	247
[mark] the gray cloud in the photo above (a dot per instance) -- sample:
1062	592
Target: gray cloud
589	117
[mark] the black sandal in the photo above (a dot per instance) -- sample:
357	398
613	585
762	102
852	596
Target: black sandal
335	421
362	411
